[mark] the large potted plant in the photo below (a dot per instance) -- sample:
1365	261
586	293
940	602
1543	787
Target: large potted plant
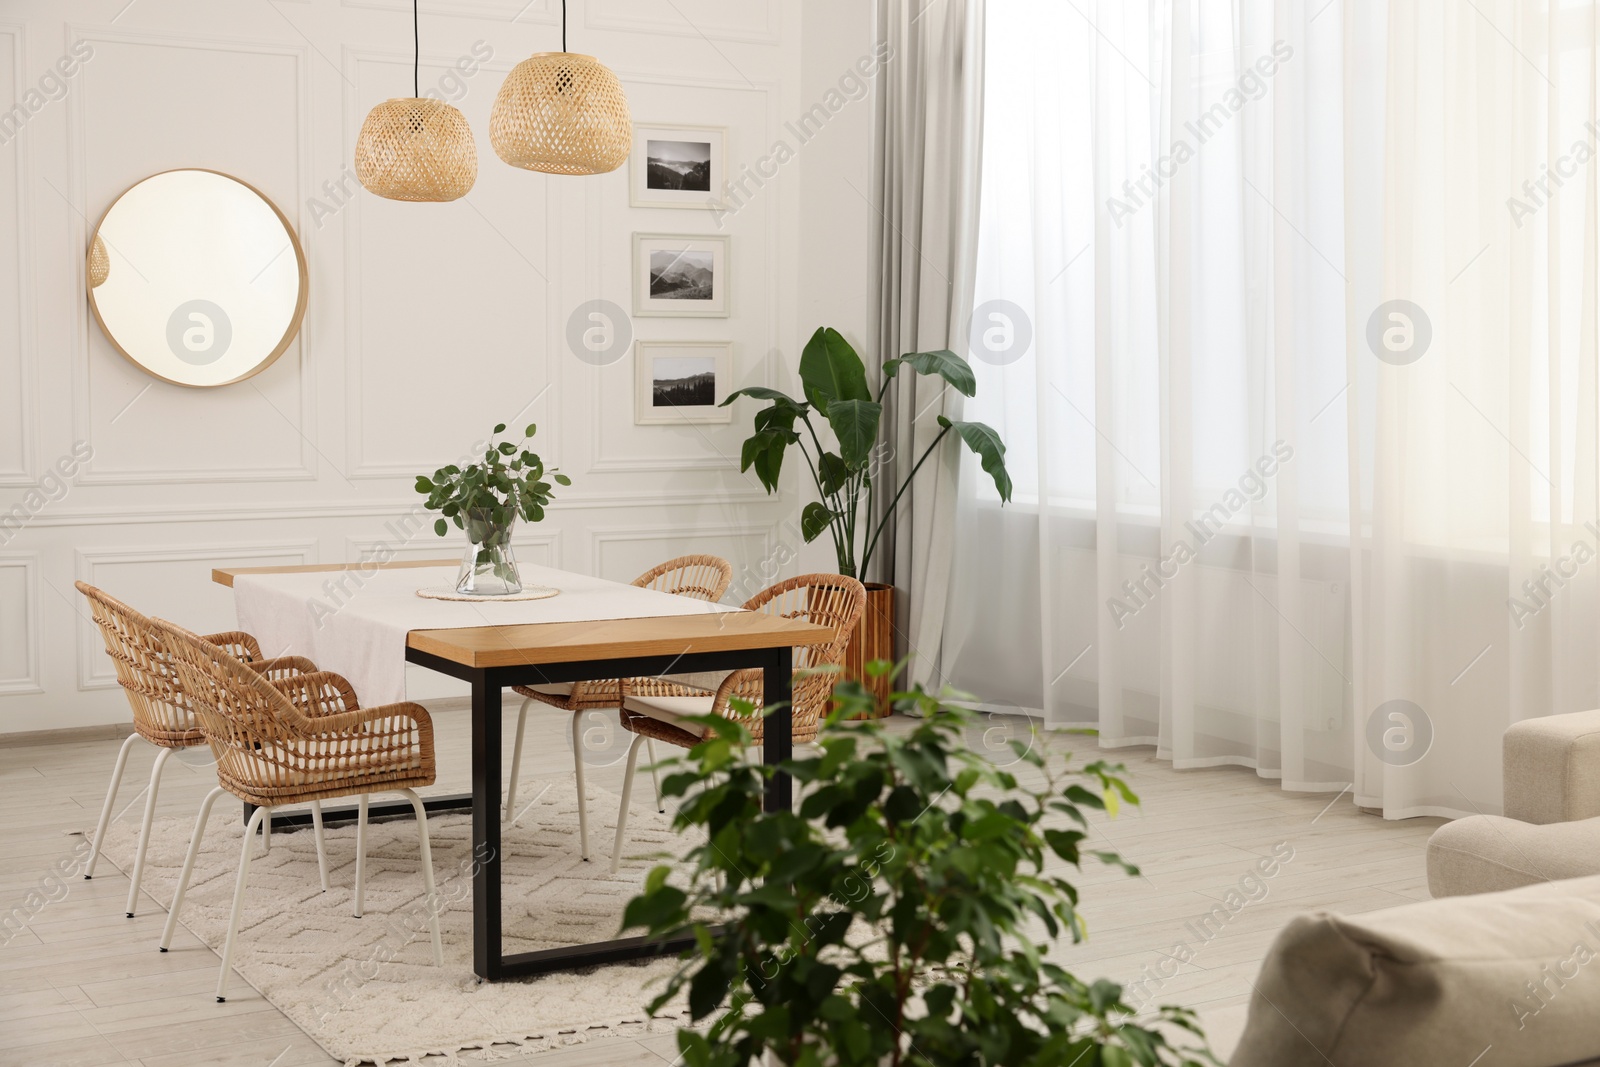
836	390
902	914
485	500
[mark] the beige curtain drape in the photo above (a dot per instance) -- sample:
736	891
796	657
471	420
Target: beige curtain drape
926	180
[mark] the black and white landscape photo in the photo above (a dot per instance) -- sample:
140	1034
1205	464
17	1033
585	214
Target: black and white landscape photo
683	382
678	275
678	166
682	165
681	274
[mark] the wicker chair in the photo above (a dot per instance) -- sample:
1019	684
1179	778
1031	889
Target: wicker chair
701	577
293	740
162	716
653	709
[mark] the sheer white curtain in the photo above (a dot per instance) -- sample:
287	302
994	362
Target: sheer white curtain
1287	314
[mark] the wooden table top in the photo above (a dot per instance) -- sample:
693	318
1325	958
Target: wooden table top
568	642
226	575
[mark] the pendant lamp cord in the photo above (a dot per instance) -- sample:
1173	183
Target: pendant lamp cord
416	52
563	25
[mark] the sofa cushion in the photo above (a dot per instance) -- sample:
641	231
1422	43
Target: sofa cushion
1487	854
1552	768
1498	980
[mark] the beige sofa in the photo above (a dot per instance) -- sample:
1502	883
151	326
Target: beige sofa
1551	828
1507	979
1501	969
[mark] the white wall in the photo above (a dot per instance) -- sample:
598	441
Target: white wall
427	323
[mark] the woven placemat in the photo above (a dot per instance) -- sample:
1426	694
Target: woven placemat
445	592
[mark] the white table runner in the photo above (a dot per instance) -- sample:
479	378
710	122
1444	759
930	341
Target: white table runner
356	626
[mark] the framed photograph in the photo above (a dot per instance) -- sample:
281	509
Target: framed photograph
677	166
678	382
680	275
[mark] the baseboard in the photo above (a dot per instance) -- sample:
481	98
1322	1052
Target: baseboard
115	731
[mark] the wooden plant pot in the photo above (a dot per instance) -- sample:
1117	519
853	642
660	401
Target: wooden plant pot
873	640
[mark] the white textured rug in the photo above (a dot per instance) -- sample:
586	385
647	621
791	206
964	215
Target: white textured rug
366	989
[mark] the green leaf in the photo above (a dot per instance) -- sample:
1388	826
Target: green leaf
945	363
777	417
423	484
499	427
663	907
815	519
440	527
562	479
761	392
832	472
531	430
764	451
831	370
991	451
507	448
707	990
855	424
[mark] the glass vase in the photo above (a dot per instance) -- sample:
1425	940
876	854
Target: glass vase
489	567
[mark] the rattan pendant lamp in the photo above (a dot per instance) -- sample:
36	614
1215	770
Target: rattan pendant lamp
416	149
561	113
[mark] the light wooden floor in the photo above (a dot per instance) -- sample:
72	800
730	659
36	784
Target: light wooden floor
83	985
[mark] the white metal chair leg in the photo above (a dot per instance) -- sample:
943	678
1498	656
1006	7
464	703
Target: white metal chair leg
111	797
627	795
361	852
238	901
655	775
144	827
322	852
432	902
516	757
577	772
266	835
188	865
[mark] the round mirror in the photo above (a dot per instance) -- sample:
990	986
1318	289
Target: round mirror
197	278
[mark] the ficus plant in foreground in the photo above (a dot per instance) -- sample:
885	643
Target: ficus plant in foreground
902	914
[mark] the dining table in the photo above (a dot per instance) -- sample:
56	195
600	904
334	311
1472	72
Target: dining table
362	619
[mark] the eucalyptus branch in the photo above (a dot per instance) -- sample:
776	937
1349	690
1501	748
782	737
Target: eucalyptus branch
888	512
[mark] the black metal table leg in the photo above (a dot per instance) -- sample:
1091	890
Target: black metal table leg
486	915
777	737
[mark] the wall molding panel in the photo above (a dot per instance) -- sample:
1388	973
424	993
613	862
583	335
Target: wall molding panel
28	680
246	395
543	548
611	15
473	212
600	540
522	12
24	396
753	335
